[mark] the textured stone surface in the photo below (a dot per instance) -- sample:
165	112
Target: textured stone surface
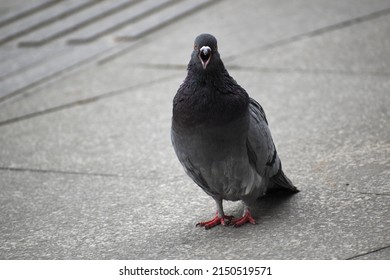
53	215
87	170
104	80
379	254
359	49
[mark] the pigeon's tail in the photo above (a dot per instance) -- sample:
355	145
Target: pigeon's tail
281	184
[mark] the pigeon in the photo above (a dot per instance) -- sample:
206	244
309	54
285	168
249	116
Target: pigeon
221	137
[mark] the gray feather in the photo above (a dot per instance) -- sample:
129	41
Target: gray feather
262	151
221	136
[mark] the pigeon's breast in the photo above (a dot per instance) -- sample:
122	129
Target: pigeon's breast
219	154
208	106
207	142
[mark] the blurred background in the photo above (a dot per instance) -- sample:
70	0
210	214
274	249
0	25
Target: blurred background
87	170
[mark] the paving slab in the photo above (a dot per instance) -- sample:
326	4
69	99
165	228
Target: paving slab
142	121
74	22
117	21
42	18
161	19
92	82
87	170
342	129
65	216
361	48
245	26
24	11
336	11
25	59
61	60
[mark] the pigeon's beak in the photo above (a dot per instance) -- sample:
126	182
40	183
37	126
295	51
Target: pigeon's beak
205	56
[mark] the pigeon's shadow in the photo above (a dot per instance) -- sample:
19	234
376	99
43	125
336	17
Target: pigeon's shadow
272	204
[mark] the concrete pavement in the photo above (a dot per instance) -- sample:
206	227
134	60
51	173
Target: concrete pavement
87	170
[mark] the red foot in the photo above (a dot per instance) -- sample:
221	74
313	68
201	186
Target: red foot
247	218
215	221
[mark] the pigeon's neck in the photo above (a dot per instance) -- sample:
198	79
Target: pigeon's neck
209	98
217	77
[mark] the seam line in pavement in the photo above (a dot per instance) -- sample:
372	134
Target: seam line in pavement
50	77
83	101
17	169
80	173
269	69
370	193
120	25
152	30
29	10
368	253
122	49
40	24
306	71
318	32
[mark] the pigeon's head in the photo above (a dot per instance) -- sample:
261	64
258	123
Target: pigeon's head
205	53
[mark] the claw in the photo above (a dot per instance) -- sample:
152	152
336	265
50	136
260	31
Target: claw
224	220
246	218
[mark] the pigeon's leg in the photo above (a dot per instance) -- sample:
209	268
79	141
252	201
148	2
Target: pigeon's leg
246	218
220	217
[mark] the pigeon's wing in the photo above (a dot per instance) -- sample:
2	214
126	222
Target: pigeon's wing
261	149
